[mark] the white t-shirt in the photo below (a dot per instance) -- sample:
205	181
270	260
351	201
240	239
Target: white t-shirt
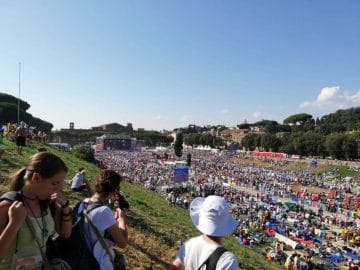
77	181
195	251
103	218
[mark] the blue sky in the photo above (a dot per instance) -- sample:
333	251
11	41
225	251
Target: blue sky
167	64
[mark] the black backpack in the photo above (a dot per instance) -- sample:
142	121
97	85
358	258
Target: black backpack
75	250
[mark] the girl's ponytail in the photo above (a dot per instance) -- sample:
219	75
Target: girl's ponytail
17	180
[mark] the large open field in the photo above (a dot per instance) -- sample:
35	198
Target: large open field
156	230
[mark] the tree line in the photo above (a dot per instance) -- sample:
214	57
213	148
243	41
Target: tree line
311	143
336	135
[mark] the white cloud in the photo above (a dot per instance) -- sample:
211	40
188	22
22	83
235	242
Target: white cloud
257	114
225	111
333	98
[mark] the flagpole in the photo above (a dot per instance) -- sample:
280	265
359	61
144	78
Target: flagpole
19	94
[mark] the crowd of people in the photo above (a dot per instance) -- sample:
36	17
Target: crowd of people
261	206
19	133
271	204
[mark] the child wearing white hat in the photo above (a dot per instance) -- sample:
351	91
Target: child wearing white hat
211	217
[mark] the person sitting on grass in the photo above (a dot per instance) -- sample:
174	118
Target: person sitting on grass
79	182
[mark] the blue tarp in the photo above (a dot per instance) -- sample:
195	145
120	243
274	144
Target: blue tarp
336	259
181	174
353	255
273	200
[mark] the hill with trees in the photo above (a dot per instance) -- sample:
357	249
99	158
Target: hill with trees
336	134
9	112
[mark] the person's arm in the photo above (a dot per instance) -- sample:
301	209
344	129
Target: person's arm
86	182
11	219
119	231
176	265
63	221
63	215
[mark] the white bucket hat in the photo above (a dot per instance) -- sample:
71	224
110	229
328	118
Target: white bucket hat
211	216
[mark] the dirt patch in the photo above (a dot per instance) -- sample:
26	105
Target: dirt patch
143	251
311	189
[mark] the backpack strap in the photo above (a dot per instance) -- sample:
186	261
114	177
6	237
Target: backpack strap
99	237
10	196
91	207
212	260
84	215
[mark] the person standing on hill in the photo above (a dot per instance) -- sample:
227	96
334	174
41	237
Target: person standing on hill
211	217
9	130
20	137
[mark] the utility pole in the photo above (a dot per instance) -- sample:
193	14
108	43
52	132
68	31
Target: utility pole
19	95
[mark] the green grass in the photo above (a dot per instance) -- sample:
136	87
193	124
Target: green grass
149	214
344	171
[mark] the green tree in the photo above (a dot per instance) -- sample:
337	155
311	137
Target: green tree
313	144
251	141
298	143
286	143
334	145
270	142
153	138
309	125
178	146
299	118
342	120
244	126
350	147
84	152
14	100
189	139
9	112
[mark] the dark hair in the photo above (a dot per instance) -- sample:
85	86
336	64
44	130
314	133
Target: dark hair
44	163
107	182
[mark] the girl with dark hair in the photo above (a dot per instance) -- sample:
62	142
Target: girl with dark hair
35	187
114	225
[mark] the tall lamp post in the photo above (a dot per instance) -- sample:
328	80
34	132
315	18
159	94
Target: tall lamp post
358	149
19	95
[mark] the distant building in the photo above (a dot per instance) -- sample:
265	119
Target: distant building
106	142
71	137
115	127
129	126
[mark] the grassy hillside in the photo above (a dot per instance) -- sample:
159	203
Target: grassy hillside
156	230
